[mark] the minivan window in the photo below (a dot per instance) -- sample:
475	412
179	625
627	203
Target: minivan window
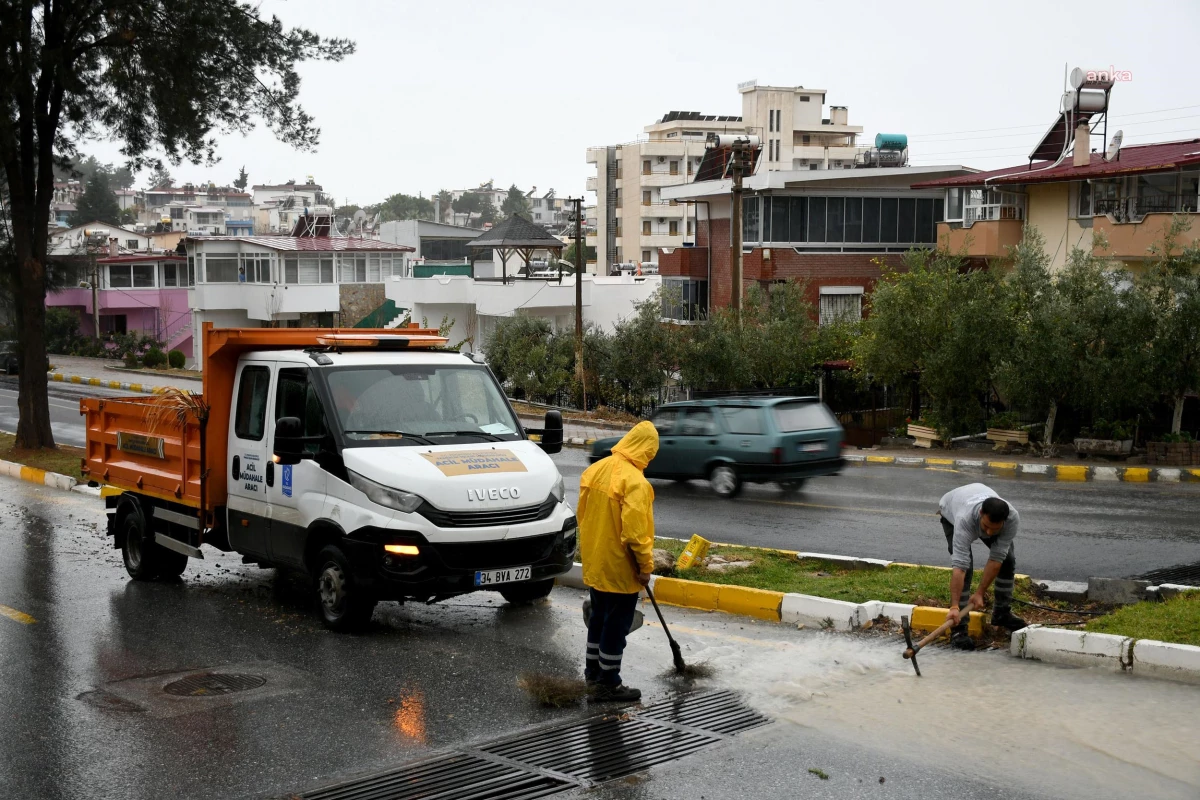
664	420
698	422
803	417
746	420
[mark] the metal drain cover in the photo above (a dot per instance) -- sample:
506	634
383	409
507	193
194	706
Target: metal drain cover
1184	575
213	684
718	712
460	775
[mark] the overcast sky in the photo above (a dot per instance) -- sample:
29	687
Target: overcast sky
451	94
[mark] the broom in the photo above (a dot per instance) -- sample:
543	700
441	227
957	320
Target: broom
682	668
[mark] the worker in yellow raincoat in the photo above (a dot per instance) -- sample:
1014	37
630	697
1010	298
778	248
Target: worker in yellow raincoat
616	543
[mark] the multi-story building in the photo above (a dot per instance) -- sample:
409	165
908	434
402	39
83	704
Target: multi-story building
81	239
635	218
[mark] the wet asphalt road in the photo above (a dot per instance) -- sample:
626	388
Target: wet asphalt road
83	714
64	408
1069	531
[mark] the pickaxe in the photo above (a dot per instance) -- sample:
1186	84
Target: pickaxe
911	651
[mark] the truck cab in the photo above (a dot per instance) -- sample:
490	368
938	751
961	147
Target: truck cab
383	471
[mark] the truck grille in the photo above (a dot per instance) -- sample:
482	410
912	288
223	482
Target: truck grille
490	518
495	555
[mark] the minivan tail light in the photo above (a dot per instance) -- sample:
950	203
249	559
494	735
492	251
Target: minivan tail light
777	454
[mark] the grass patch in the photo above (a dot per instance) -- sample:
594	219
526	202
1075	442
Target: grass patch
1176	620
781	572
595	415
63	460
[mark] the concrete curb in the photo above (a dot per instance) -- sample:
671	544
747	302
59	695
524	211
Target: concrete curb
1148	657
34	475
1056	472
86	381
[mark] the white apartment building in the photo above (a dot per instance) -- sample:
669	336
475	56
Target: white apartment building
633	220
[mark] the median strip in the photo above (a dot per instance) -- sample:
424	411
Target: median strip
1060	472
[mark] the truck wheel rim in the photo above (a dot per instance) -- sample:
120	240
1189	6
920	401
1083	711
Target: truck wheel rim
332	588
133	548
723	480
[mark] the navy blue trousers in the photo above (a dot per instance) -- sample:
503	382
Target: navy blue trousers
612	614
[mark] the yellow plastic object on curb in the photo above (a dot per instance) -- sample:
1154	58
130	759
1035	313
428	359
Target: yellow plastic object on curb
696	550
928	618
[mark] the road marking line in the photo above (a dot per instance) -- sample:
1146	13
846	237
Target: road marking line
845	508
17	616
940	469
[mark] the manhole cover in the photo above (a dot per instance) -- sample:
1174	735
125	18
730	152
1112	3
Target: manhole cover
210	684
1184	574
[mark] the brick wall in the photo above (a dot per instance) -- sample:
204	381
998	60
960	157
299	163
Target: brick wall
818	269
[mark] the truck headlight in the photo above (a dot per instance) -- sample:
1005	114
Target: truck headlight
560	489
385	495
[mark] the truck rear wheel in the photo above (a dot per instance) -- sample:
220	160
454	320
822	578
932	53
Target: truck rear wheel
138	548
528	592
344	606
170	563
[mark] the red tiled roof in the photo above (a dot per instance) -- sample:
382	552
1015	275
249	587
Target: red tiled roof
1136	158
128	258
309	243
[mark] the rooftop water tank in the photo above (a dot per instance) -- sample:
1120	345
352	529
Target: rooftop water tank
891	141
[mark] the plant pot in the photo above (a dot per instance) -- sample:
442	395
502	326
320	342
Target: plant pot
1104	447
1005	436
1172	454
925	437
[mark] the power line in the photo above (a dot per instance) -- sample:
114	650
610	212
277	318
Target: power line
1018	127
1022	149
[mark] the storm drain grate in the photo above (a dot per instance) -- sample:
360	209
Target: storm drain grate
597	750
548	760
454	777
719	712
209	684
1184	574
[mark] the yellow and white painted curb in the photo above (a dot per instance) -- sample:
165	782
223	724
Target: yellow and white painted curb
1147	657
40	476
83	380
1057	472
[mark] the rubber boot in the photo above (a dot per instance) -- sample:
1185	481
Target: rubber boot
1004	618
960	639
615	694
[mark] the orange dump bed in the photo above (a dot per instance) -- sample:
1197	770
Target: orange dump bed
174	447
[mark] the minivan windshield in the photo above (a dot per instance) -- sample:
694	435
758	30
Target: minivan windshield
420	404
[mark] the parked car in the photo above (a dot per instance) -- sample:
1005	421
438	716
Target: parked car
736	440
10	360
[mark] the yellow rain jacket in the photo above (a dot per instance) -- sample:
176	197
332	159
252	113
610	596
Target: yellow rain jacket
616	514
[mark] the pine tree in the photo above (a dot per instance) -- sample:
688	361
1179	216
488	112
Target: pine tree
97	203
242	180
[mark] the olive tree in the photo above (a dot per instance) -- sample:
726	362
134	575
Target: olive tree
1172	289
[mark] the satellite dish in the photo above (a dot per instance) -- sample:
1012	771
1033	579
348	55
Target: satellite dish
1114	146
1078	76
359	216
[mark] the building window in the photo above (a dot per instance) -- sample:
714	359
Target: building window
645	227
255	268
805	139
169	276
689	166
220	269
685	299
954	204
113	323
291	269
673	228
645	255
804	98
131	244
691	227
840	304
674	167
645	198
353	267
646	166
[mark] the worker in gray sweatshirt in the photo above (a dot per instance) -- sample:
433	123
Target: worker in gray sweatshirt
970	513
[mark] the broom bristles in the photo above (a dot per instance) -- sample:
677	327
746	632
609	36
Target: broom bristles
553	691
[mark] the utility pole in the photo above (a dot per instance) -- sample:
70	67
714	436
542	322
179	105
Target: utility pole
94	279
735	222
579	262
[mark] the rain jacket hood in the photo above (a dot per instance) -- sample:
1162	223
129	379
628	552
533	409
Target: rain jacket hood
640	445
616	514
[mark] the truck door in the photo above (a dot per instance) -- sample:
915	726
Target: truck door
249	513
297	492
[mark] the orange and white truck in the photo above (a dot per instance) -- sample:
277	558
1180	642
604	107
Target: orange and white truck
376	461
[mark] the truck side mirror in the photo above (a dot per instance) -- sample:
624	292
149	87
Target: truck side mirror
552	434
289	440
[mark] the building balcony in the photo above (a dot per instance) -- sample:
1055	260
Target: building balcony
664	177
590	184
663	209
984	239
687	262
669	148
1133	240
661	239
816	152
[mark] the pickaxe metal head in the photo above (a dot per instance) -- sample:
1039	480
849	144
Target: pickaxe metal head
910	651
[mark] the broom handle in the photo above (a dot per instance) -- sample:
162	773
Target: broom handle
650	594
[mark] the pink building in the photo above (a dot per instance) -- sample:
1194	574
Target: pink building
145	292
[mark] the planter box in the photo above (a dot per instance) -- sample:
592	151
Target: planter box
1104	447
1002	435
1172	454
925	437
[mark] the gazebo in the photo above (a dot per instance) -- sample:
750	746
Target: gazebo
515	235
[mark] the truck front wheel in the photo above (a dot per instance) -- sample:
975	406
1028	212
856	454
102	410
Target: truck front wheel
138	548
344	606
525	593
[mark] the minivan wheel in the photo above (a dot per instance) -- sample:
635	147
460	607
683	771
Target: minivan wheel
724	481
528	592
344	607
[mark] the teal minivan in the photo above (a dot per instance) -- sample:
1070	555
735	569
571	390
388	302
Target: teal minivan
737	440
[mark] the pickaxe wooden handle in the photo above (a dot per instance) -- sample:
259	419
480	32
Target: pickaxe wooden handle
911	651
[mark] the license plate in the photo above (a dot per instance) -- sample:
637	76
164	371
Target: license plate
491	577
812	447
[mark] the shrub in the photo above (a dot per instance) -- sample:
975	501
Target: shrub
131	360
154	358
1006	421
176	359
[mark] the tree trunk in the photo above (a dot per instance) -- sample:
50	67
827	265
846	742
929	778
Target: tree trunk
1177	417
1050	424
915	399
33	425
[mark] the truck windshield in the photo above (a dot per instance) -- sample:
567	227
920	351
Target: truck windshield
420	404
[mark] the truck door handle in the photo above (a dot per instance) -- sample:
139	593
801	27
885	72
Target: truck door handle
237	467
270	473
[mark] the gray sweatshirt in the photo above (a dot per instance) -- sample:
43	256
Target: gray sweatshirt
960	507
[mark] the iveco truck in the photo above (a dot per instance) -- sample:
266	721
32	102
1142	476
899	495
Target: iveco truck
376	461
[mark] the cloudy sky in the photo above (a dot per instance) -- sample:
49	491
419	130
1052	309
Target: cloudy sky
450	94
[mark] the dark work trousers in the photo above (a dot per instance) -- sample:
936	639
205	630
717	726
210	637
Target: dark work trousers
612	614
1004	579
